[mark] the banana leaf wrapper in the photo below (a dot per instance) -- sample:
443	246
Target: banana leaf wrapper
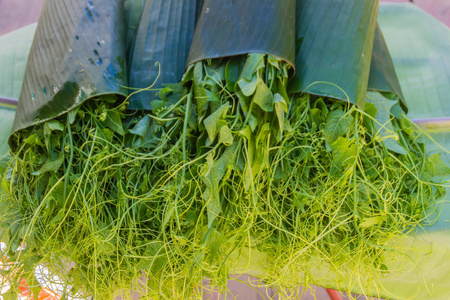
383	77
78	52
340	51
229	28
157	55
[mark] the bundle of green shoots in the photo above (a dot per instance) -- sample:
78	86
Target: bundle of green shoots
227	164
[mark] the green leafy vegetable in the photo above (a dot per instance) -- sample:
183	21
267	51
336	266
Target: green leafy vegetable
172	195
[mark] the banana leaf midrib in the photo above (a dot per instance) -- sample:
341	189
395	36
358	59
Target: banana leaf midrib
8	101
433	124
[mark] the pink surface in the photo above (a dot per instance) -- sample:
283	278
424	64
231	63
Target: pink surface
438	8
18	13
15	14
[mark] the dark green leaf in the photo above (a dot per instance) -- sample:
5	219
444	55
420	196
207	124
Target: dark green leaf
49	127
50	166
142	128
163	37
11	295
281	109
155	258
253	63
114	122
436	167
215	241
232	72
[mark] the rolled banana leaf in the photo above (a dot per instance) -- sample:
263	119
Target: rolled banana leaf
336	62
167	40
160	48
133	13
229	28
348	57
382	75
78	52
